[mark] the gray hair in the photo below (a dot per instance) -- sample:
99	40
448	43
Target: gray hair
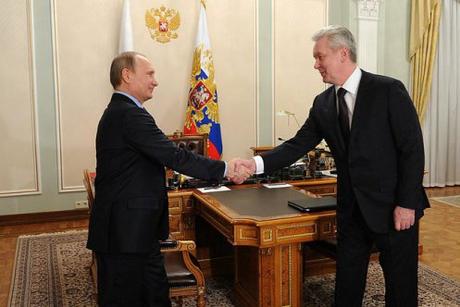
338	37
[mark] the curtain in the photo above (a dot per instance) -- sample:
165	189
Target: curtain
441	128
423	40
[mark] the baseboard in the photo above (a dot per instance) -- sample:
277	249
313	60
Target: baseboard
43	217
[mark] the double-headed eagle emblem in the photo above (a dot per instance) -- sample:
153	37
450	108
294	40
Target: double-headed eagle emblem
162	23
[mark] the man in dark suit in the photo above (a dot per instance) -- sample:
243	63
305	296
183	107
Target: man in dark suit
371	126
130	214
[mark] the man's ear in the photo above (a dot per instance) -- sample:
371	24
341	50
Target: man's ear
344	54
126	75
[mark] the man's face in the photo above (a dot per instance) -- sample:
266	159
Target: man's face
142	79
329	62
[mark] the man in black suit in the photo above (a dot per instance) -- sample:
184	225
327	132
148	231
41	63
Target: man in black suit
130	214
371	126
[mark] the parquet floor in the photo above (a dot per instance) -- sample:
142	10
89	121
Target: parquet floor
439	235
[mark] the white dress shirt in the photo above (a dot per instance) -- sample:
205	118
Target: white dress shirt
351	85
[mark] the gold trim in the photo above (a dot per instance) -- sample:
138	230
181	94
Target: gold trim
267	235
241	236
289	274
294	226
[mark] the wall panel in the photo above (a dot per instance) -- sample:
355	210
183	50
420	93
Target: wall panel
85	41
19	153
296	82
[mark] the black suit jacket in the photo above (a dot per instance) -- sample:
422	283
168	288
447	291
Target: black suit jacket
384	163
130	213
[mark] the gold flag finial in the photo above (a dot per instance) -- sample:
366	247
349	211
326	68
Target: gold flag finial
204	3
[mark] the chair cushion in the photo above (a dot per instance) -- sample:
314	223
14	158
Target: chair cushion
168	243
176	271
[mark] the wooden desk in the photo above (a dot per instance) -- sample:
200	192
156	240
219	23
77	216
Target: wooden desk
268	236
182	205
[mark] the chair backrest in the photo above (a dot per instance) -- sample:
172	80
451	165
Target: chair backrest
88	181
195	143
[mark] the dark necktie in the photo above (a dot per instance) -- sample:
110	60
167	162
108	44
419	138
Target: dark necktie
344	121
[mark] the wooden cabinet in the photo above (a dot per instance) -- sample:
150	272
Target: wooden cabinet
181	215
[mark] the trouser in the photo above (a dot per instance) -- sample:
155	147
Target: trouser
398	259
132	280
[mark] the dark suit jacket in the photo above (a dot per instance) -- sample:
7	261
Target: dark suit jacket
130	213
384	163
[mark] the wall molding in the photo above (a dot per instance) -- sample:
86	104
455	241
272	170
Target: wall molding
368	30
369	9
57	96
54	30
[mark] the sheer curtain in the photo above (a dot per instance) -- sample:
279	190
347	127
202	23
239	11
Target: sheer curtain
441	127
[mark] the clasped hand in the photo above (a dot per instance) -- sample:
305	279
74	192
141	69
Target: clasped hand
238	170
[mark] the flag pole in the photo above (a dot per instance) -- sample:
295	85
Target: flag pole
126	29
204	3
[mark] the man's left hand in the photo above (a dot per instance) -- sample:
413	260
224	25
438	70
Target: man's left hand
404	218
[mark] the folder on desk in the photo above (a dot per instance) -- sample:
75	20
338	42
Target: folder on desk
310	204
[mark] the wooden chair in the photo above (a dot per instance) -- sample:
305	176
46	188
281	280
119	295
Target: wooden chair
88	182
184	276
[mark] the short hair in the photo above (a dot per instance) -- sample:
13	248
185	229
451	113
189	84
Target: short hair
120	62
338	36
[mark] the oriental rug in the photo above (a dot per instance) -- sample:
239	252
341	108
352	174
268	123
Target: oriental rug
53	270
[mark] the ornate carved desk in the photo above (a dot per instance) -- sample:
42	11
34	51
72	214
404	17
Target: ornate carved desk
267	235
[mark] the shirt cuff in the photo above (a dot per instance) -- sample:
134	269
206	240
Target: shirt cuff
225	171
259	164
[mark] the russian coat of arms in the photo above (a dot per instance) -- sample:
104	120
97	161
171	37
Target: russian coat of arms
162	23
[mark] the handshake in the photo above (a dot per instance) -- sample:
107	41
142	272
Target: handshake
238	170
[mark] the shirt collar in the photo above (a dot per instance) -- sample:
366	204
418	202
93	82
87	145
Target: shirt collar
137	102
352	83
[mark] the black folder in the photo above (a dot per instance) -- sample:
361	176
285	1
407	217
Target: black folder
310	204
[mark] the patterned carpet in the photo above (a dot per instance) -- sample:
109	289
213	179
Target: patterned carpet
453	200
53	270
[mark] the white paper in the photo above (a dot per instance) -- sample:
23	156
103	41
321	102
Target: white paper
328	173
213	189
277	185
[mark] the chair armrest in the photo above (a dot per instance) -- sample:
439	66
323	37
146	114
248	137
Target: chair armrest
168	246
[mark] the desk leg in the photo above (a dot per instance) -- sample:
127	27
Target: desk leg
269	276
